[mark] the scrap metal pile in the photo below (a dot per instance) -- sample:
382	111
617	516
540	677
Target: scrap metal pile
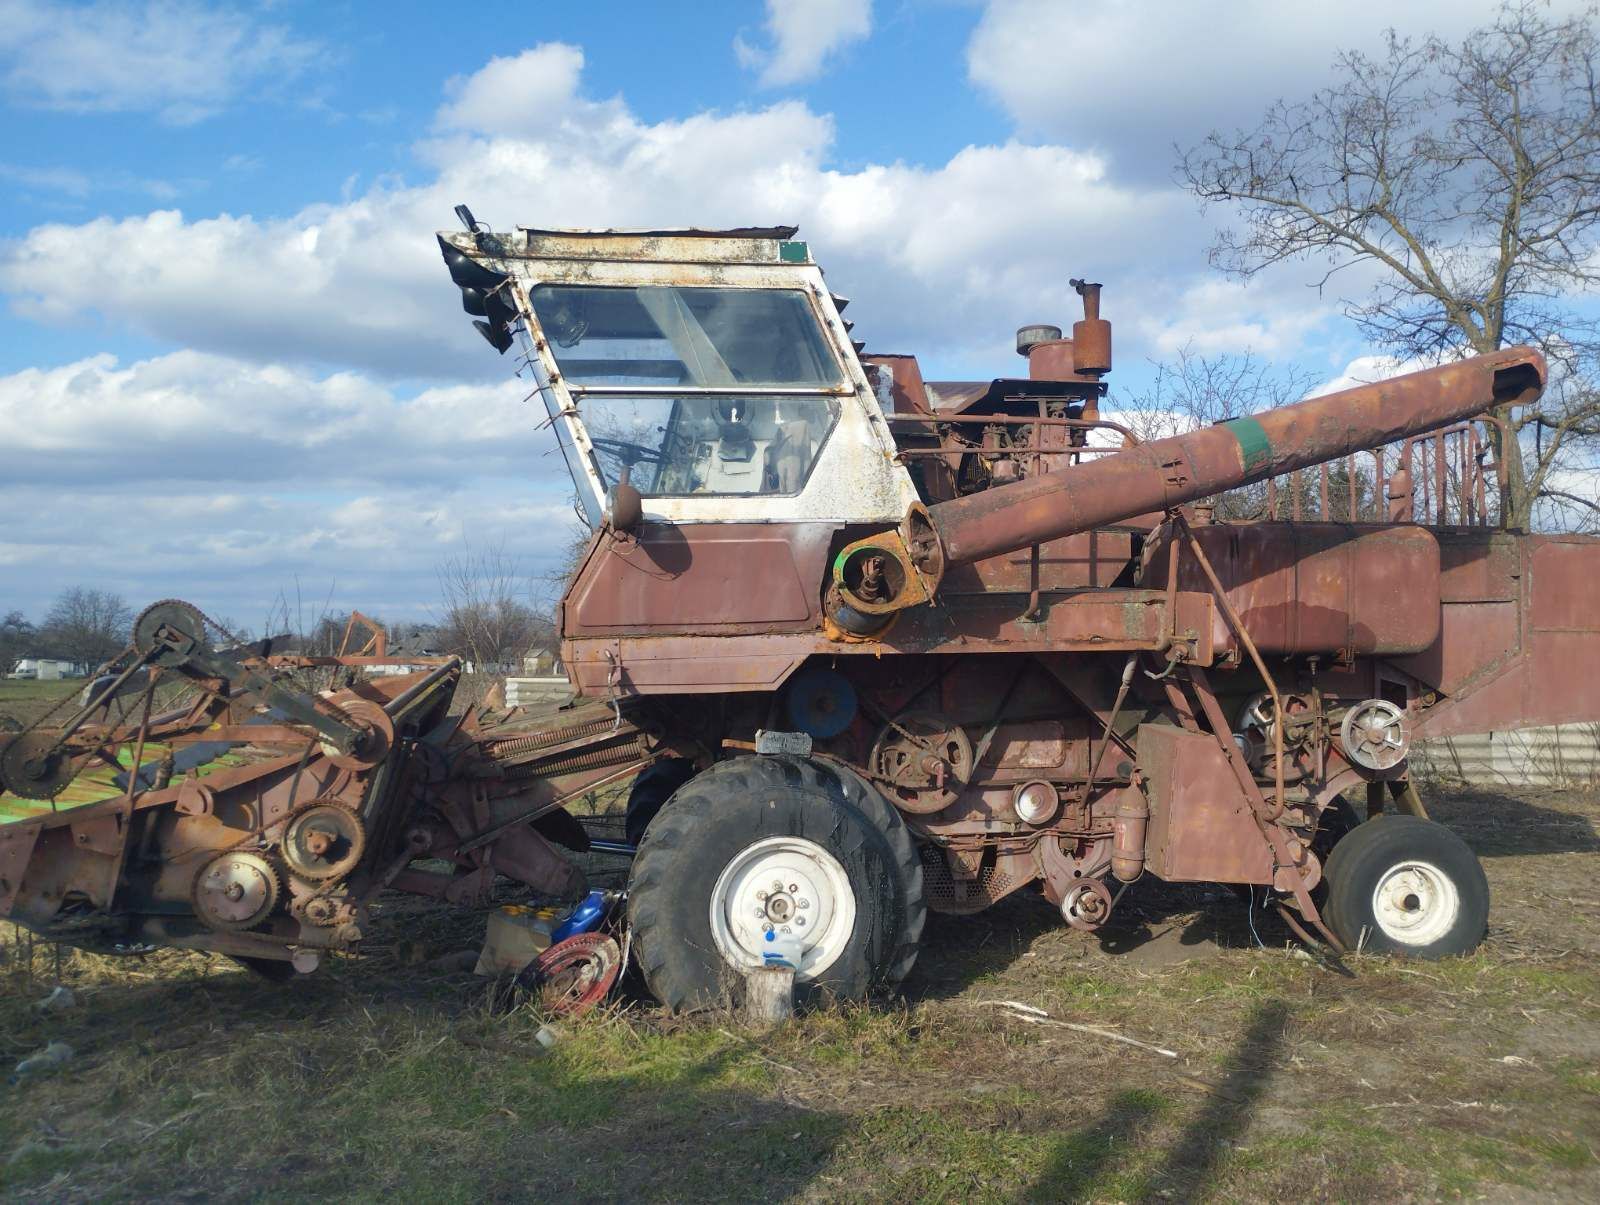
871	645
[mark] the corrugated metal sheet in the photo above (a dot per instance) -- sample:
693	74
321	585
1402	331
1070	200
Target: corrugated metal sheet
1566	755
531	692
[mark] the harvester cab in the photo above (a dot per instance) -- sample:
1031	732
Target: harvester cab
706	372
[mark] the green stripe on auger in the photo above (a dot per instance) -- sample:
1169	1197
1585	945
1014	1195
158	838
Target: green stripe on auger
1255	451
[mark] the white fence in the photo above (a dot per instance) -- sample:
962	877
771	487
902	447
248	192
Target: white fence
1567	755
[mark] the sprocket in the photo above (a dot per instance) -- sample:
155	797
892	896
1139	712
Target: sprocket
173	615
31	766
323	841
235	891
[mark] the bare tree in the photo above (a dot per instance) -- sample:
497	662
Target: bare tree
553	582
487	615
1463	177
17	639
88	625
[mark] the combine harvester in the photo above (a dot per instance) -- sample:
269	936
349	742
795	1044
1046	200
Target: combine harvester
871	645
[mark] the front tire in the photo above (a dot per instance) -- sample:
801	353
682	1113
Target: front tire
848	879
1404	885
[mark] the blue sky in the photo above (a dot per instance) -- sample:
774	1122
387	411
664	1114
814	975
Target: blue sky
231	362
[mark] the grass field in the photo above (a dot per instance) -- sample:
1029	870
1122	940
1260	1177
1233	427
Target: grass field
383	1078
24	699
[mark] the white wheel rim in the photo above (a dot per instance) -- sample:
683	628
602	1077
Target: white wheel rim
1415	903
788	887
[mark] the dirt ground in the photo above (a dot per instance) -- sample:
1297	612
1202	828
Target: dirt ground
386	1077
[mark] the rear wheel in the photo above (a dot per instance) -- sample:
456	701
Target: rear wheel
1404	885
650	792
763	851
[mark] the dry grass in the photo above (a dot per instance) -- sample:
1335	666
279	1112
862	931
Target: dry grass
382	1078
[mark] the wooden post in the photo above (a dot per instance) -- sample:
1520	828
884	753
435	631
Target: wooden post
769	995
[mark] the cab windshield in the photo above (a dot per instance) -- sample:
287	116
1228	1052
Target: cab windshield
661	374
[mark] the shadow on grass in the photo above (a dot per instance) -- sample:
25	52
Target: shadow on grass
416	1082
1498	825
958	951
1101	1159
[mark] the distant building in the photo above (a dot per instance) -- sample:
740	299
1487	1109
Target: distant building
542	663
47	669
405	646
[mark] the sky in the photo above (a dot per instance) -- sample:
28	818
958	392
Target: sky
233	368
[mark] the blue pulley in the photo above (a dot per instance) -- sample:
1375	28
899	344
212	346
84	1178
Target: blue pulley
821	702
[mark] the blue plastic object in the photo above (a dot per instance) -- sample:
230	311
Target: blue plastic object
590	911
821	702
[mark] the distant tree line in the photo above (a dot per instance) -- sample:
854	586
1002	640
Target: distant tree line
82	625
492	613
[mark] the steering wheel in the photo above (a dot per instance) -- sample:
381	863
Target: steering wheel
628	453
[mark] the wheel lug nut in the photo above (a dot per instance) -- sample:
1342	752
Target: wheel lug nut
761	895
804	903
800	920
793	887
777	885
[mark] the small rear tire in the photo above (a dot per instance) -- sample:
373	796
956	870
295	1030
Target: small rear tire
1404	885
759	841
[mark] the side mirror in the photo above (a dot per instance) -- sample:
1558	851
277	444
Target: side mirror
624	504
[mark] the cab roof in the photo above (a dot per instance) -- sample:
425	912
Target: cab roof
741	245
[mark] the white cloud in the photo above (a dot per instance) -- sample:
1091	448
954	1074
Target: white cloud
947	259
180	59
1133	77
519	95
803	33
193	416
229	481
79	185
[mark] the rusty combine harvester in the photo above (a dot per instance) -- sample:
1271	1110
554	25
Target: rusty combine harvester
871	645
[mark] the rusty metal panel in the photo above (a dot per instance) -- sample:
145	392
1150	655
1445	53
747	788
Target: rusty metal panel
1475	639
16	847
1479	566
1200	828
1027	745
1320	588
746	577
1562	587
1091	558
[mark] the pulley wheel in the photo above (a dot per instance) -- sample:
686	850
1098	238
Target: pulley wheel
1087	905
374	745
821	702
1375	734
323	842
574	975
922	762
